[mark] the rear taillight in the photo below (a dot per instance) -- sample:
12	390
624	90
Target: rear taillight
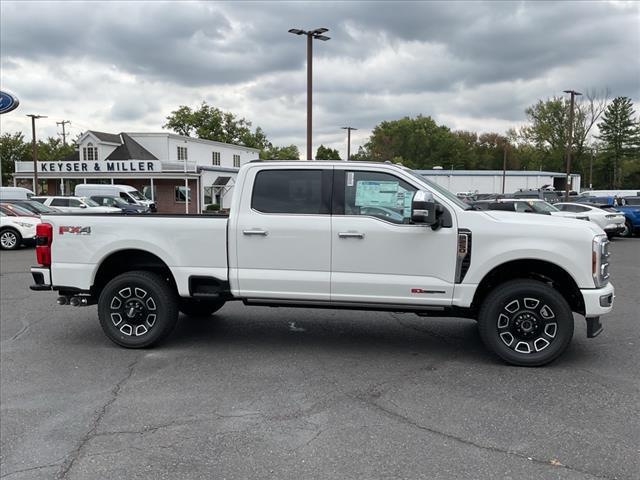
44	237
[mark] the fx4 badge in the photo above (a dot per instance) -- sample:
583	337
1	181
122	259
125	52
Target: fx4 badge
75	230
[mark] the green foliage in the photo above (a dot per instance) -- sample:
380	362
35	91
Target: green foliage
211	123
620	137
326	153
214	207
14	148
280	153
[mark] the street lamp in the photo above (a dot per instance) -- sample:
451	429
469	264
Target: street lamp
311	35
34	150
569	143
348	129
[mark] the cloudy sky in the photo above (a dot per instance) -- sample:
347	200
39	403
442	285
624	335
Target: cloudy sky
124	66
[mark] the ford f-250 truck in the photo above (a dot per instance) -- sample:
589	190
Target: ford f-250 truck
351	235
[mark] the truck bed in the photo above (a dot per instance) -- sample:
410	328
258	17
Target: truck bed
190	245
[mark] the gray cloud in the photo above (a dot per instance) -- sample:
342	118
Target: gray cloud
126	65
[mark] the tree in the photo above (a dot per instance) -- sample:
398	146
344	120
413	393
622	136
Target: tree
280	153
13	148
326	153
211	123
619	136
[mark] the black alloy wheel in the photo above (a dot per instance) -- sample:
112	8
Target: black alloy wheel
137	309
526	322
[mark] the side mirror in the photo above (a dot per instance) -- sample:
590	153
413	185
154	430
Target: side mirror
82	205
423	209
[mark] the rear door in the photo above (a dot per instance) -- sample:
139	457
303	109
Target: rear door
377	255
283	234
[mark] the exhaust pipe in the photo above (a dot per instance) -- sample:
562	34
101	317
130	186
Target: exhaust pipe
63	300
74	302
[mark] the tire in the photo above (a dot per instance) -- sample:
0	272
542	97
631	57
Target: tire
628	229
526	323
137	309
10	239
199	308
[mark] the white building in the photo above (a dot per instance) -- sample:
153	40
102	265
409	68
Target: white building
490	181
157	164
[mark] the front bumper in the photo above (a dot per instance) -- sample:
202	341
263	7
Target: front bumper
614	228
598	301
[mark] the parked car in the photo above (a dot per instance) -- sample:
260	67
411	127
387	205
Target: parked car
125	192
550	196
17	227
33	206
296	236
75	205
631	210
117	202
606	217
531	205
15	192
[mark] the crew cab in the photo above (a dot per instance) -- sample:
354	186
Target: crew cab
344	235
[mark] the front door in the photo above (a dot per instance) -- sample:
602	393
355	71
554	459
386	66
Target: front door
377	255
283	234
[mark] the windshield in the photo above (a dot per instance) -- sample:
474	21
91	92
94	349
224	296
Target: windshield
119	202
441	190
20	211
543	207
136	194
38	207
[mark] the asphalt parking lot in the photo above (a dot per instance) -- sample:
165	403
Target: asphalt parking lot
288	393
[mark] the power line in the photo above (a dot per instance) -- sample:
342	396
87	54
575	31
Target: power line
64	133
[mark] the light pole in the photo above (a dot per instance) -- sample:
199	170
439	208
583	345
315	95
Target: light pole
348	129
318	35
34	150
569	142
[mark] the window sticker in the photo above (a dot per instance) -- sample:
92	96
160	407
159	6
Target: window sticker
371	193
349	179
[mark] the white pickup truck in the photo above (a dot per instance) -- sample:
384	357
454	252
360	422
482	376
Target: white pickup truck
350	235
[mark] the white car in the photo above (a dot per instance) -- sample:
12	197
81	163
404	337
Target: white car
75	205
607	218
528	205
17	227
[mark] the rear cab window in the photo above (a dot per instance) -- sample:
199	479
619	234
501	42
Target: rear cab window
292	191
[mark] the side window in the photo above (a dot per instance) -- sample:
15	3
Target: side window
74	203
577	208
291	191
379	195
60	202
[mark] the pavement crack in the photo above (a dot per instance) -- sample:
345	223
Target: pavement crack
30	469
71	459
505	451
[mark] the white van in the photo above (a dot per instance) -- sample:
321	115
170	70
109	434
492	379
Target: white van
125	192
15	193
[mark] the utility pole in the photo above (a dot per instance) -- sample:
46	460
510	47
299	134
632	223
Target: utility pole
64	133
593	154
504	166
311	35
35	150
569	142
348	129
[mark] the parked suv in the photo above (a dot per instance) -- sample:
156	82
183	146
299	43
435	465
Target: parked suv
75	205
117	202
550	196
607	218
17	226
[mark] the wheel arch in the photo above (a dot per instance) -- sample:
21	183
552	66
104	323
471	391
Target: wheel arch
127	260
534	269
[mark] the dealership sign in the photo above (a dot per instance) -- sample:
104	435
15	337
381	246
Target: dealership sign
8	102
106	166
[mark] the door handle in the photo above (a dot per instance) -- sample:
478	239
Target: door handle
350	235
263	233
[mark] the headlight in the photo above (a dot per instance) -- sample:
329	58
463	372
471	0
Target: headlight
25	225
600	260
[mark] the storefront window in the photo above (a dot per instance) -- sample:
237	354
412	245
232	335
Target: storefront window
180	194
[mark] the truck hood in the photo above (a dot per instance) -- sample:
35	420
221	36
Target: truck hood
549	221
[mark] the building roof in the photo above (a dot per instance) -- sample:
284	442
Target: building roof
480	173
129	149
105	137
193	139
221	181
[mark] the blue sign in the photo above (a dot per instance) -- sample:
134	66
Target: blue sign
8	102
